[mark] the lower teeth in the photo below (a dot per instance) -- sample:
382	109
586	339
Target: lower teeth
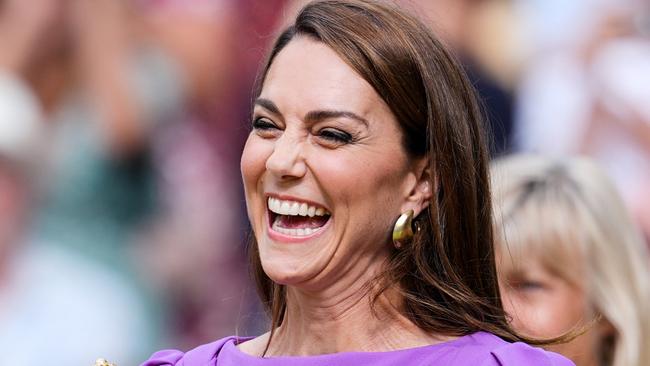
295	232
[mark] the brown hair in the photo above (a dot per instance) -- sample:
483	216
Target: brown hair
446	275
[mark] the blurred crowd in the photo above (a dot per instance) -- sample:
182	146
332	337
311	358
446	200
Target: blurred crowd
561	78
122	229
122	221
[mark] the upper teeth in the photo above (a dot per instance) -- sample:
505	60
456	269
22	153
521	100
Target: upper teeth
284	207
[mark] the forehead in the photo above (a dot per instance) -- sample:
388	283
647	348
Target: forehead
307	74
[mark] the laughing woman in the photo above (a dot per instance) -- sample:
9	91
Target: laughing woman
366	184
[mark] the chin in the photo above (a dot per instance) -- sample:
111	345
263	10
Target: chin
283	272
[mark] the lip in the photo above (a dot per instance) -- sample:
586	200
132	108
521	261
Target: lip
280	237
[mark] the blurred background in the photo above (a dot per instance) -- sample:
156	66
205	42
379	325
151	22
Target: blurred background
122	219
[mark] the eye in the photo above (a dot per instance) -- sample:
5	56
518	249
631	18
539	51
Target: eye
335	136
263	123
530	286
527	286
264	127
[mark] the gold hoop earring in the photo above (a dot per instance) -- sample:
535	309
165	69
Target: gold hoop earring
403	232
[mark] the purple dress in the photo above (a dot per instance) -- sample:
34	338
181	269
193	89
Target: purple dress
478	349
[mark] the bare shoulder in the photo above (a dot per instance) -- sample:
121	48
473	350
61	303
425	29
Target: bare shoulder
255	346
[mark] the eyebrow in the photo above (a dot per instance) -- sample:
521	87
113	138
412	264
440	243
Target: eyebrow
269	105
313	116
321	115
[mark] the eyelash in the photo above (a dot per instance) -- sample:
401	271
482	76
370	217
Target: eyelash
337	136
331	135
262	123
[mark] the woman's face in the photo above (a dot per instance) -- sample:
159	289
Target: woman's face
544	305
324	170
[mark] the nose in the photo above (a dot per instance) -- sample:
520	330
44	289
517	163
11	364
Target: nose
287	160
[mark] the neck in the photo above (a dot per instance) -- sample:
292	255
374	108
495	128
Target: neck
345	320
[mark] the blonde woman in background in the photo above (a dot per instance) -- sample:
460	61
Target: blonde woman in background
568	254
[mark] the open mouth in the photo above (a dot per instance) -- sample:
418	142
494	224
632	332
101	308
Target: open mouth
296	218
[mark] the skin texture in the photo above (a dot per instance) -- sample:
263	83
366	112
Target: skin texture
544	305
365	181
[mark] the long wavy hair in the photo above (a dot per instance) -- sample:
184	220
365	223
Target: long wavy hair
446	276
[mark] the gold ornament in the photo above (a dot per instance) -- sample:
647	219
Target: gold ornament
403	232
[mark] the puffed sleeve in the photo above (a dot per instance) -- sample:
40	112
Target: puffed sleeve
522	354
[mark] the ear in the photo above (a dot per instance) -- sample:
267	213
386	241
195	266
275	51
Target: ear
420	189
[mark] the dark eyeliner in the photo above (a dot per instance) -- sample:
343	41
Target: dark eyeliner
262	123
336	135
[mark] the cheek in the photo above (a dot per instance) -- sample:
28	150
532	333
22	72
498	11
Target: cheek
253	161
366	173
253	166
369	193
531	316
520	311
567	308
548	313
